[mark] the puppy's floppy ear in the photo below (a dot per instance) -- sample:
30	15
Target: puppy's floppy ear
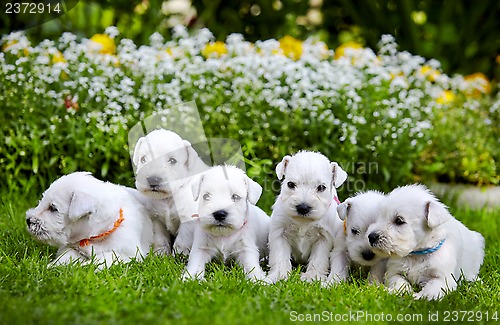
254	190
138	145
81	205
343	210
339	175
436	214
192	155
196	187
281	167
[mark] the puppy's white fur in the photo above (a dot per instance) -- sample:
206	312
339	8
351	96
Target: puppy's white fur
230	225
358	213
412	219
77	207
304	223
165	166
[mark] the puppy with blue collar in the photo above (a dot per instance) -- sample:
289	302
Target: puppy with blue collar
426	245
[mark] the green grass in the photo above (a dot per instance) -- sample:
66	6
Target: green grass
151	292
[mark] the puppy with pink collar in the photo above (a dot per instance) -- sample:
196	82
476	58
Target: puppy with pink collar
230	225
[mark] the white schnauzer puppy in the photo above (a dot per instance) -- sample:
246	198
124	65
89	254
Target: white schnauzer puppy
230	225
358	213
91	220
304	223
425	244
166	165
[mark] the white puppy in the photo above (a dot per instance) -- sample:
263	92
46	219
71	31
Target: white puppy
358	213
230	225
425	244
89	219
304	222
165	166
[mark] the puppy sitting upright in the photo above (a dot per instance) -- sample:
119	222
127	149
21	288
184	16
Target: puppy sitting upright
230	225
90	219
358	213
166	165
304	222
426	246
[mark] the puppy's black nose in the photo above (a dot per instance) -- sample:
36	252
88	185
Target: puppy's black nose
28	221
373	237
368	255
220	215
154	181
303	209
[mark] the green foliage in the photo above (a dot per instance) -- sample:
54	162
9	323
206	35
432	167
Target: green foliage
464	145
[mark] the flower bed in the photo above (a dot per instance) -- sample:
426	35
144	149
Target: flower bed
67	105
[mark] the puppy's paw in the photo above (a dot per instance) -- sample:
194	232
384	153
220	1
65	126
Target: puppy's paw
161	250
428	295
312	277
274	277
180	249
332	280
187	276
402	290
53	264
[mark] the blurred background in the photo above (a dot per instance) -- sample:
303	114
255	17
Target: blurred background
463	35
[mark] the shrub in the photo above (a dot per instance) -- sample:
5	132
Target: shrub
68	105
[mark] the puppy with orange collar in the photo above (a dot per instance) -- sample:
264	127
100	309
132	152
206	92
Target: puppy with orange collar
91	221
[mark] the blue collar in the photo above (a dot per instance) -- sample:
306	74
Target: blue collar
428	250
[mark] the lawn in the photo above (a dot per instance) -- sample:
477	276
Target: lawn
151	292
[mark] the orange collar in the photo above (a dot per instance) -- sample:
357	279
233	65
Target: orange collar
345	226
86	241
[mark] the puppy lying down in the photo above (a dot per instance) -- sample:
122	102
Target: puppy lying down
90	220
229	224
426	245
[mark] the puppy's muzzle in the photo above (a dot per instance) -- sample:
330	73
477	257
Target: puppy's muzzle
368	255
373	238
220	215
303	209
35	227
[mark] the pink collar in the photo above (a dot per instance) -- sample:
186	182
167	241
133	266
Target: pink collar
336	199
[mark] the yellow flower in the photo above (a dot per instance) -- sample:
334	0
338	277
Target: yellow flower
478	84
10	44
394	75
430	73
446	97
291	47
340	51
214	50
58	57
107	44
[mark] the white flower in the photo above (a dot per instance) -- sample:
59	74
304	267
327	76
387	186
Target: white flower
112	31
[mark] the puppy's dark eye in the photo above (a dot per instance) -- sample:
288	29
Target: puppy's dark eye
143	159
321	188
291	185
172	161
235	197
355	231
206	196
399	221
52	208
